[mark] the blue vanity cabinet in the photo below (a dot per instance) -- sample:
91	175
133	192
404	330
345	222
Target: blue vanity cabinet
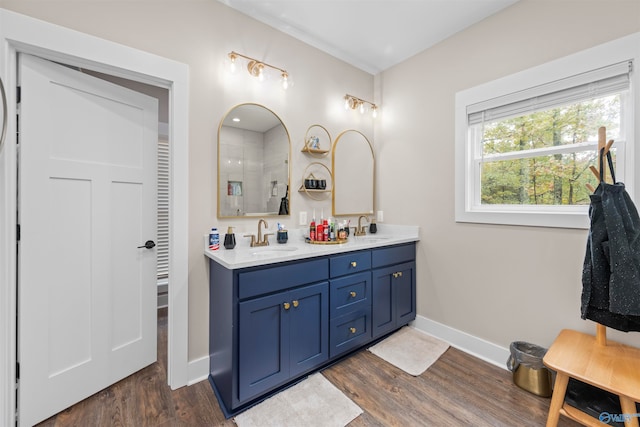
271	324
281	336
267	325
393	288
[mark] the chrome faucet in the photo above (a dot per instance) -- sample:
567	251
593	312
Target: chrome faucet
361	230
260	241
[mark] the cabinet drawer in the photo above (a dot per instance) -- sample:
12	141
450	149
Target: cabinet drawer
268	280
353	262
349	332
350	293
393	255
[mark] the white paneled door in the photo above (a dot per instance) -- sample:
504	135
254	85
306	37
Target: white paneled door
87	202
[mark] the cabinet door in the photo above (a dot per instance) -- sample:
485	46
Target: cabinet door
383	312
394	297
405	292
263	344
309	327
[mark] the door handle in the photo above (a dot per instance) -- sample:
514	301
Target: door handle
149	244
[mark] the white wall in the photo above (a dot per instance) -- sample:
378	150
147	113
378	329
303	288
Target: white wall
498	283
201	33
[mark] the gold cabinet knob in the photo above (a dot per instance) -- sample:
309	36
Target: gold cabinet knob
354	264
353	294
398	274
296	303
352	330
286	306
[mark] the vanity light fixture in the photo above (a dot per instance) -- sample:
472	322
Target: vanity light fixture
256	68
355	103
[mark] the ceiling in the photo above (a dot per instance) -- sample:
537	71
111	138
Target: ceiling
372	35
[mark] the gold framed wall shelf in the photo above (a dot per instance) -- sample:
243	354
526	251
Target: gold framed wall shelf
317	181
317	141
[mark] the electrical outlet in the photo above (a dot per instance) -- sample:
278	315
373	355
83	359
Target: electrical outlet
379	216
303	218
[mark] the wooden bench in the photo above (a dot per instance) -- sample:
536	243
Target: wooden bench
610	366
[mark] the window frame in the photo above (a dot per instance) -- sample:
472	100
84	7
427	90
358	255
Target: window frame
467	186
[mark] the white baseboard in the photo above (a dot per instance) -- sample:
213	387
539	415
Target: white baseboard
482	349
198	370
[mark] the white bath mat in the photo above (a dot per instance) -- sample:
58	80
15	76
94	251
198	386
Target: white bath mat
410	350
313	402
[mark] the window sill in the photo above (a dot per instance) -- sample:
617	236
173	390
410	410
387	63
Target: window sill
570	218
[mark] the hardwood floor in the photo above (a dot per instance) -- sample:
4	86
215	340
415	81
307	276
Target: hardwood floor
458	390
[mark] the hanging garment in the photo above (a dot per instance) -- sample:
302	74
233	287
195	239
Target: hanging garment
611	269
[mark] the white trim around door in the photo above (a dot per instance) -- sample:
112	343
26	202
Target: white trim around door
19	33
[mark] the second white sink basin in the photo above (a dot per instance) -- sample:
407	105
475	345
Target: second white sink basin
272	250
370	239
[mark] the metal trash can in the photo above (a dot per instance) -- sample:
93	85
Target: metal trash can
529	373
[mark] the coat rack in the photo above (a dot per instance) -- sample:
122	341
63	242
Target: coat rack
612	367
603	149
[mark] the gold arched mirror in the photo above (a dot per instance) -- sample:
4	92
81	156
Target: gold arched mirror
254	151
353	169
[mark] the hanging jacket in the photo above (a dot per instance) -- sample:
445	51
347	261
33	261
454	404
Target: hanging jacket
611	269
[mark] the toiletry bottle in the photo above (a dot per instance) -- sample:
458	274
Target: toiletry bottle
325	228
312	231
373	228
320	232
229	239
214	239
332	230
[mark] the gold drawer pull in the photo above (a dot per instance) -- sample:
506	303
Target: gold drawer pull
353	294
286	306
352	330
354	264
296	303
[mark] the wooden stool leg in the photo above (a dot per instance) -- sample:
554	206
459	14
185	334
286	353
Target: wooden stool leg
557	399
628	407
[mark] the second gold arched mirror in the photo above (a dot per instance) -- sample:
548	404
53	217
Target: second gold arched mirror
353	169
254	151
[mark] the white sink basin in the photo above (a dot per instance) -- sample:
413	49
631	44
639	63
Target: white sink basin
272	250
370	239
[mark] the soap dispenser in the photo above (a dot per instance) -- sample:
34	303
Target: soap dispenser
373	228
229	239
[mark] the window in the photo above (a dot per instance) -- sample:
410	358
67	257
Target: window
524	143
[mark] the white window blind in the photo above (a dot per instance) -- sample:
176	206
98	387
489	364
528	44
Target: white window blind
162	248
591	84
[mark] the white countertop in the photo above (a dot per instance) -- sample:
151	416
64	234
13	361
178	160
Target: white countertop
296	248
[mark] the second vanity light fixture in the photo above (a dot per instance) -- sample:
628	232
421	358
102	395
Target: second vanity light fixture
256	68
355	103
